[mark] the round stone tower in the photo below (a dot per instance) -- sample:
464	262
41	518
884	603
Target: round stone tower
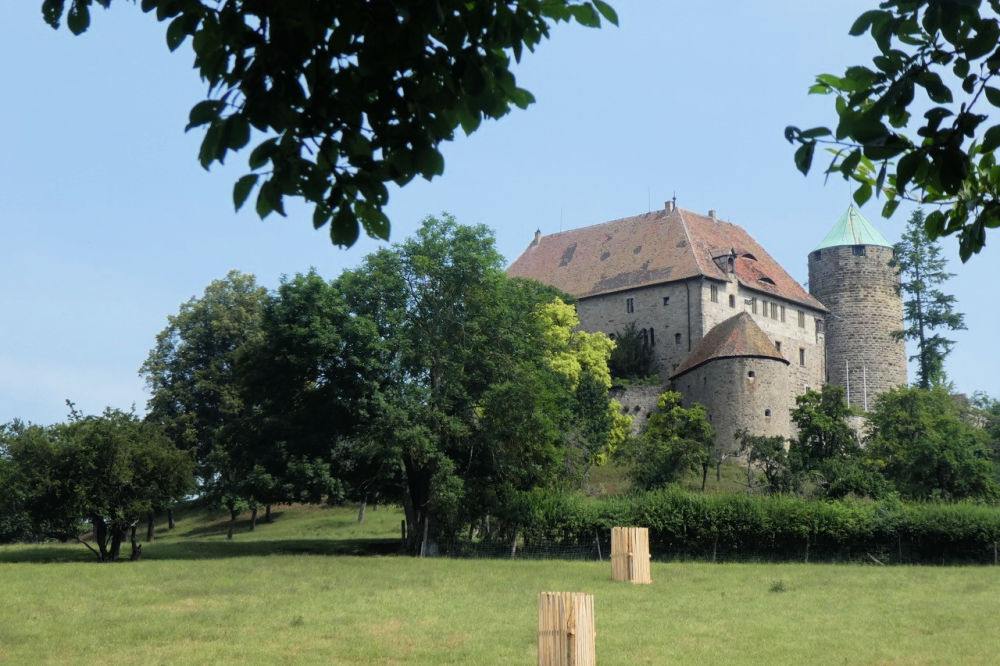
849	273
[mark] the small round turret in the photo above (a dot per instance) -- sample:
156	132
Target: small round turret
850	273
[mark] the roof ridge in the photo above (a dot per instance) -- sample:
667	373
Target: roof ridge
687	237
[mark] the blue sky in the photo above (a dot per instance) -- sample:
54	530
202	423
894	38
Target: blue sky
109	223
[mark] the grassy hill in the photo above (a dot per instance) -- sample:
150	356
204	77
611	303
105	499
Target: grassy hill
285	594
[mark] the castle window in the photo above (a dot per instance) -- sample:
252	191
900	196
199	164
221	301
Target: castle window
666	300
652	340
753	304
782	314
767	413
645	338
629	305
817	254
802	319
751	374
763	305
802	356
732	301
859	250
777	345
715	293
774	310
677	338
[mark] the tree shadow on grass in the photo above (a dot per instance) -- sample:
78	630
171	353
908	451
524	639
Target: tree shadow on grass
209	550
221	526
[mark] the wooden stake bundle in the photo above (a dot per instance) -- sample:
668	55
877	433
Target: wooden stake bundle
630	554
566	629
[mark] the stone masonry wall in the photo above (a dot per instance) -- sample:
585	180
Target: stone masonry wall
663	308
741	392
861	292
639	402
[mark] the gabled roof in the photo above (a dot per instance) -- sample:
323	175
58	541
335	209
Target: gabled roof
738	336
853	229
653	248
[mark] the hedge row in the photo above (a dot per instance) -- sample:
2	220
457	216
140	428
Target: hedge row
738	527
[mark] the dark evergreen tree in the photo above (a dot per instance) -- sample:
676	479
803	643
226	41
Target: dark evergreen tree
926	308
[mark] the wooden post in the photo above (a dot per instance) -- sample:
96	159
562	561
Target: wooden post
630	554
566	629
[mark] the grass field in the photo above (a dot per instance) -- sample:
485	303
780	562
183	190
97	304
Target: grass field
285	594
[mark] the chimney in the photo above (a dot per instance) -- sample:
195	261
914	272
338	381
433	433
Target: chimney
711	214
538	237
668	206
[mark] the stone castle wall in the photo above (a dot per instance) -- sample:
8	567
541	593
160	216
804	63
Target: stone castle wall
671	310
741	392
639	402
862	293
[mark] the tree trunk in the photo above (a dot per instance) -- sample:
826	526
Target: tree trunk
150	528
253	519
232	523
718	471
118	533
704	476
170	519
136	547
361	511
375	506
101	537
267	513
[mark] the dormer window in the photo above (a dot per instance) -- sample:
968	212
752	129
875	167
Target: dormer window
747	255
766	280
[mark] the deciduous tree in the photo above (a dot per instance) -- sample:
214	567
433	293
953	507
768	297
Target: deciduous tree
927	448
938	58
347	97
676	440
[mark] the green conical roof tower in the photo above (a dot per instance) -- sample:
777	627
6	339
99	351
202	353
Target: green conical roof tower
853	229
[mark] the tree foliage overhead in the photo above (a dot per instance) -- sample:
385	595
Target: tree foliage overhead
347	96
938	58
926	308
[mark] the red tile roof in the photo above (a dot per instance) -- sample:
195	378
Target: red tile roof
653	248
738	336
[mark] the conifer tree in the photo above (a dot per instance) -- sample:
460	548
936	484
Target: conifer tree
926	309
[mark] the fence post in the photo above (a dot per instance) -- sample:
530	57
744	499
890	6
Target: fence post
630	554
566	629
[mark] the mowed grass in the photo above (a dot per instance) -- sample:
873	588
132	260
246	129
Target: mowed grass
195	599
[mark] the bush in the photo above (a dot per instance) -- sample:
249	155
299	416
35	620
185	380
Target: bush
684	525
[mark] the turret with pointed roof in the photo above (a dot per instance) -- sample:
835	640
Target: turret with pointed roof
851	272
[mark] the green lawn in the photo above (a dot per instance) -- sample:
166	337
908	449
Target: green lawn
195	598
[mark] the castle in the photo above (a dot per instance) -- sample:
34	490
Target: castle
729	327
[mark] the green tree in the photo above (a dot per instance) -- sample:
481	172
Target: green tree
769	455
108	470
193	374
633	356
677	440
348	96
306	382
938	58
926	446
477	380
926	308
828	451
